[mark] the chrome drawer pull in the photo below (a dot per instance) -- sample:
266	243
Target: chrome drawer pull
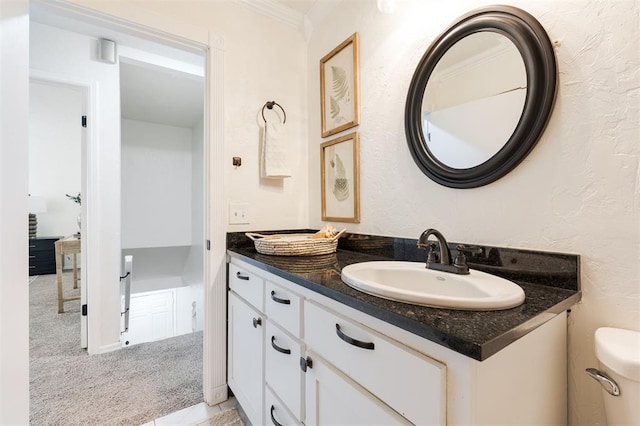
273	419
278	300
278	348
352	341
242	277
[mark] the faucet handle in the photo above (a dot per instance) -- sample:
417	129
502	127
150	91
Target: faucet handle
432	254
460	262
470	249
461	259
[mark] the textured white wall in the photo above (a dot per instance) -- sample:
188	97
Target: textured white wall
265	60
576	192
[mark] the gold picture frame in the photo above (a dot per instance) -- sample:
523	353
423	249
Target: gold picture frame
340	179
340	99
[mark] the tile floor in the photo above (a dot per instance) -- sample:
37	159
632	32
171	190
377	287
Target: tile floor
193	415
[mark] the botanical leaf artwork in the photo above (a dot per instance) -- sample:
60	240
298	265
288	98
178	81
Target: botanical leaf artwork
339	175
341	184
334	107
340	83
340	92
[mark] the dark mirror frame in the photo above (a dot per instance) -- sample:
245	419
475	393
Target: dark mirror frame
536	49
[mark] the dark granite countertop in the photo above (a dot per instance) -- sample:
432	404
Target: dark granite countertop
550	282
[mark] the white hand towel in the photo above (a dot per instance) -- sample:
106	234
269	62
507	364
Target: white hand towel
274	158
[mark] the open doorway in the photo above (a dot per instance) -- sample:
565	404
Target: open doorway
55	156
103	224
120	24
64	49
162	192
57	176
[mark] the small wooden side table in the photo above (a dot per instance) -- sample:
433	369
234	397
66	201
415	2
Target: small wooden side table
67	245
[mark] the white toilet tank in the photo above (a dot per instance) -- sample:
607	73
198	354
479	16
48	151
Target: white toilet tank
618	353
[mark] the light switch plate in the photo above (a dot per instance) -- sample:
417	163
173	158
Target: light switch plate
238	213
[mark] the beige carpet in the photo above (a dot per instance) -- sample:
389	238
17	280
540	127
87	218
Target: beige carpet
131	386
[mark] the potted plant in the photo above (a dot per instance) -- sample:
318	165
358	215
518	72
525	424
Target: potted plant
78	200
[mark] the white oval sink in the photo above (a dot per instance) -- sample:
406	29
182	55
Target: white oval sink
412	282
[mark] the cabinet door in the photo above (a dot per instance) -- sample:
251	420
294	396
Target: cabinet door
246	362
334	399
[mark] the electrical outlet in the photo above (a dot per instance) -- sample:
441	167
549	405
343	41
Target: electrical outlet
238	213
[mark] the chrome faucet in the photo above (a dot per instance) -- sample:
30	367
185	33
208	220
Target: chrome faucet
443	261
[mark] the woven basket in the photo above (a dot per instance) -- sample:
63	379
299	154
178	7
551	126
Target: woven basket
294	244
325	264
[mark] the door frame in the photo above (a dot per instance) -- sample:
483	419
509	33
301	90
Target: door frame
130	19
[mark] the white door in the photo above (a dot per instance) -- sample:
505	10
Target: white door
246	365
151	317
85	141
334	399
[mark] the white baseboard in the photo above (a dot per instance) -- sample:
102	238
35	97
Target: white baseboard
110	348
216	395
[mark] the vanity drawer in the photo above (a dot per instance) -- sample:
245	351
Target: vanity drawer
282	367
284	307
276	413
247	285
411	383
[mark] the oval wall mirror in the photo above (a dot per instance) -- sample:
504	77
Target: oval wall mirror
481	97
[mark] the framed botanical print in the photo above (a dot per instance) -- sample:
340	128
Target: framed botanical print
340	179
339	88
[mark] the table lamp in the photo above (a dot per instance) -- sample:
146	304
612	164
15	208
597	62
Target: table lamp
37	204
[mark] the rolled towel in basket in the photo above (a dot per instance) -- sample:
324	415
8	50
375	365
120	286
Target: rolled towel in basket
274	156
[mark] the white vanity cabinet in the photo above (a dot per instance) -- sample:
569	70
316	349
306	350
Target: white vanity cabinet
359	369
246	342
264	347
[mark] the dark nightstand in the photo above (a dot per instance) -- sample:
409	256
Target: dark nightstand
42	258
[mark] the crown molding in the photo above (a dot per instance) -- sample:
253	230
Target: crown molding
277	11
317	14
